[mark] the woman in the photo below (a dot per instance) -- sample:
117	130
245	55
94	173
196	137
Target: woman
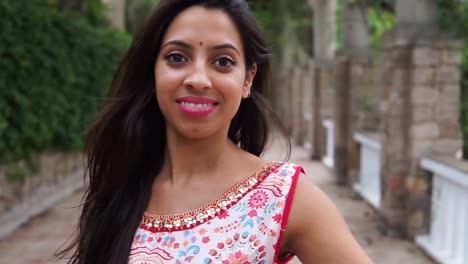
173	158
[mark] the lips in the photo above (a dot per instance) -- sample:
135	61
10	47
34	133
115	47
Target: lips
194	106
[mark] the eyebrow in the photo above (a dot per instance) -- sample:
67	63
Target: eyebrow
188	46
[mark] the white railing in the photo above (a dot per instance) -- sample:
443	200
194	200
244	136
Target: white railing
328	159
447	240
369	170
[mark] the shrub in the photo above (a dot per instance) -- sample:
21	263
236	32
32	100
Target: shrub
55	67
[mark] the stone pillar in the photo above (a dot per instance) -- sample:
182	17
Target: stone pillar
362	107
307	104
356	47
420	109
317	143
116	13
416	13
300	106
296	103
355	32
341	119
324	31
285	87
288	99
324	53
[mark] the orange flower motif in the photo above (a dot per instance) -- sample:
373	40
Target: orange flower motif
279	204
202	231
237	258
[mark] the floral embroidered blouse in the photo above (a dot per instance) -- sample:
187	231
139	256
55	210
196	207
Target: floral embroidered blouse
244	225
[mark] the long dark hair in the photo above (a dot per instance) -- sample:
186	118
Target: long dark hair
125	145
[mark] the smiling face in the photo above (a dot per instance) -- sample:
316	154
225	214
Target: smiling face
201	75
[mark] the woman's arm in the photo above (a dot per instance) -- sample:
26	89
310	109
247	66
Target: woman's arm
316	232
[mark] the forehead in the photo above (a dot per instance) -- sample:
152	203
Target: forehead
206	25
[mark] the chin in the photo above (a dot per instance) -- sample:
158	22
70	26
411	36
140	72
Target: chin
197	133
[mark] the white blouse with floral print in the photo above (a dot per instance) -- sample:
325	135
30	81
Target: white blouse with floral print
244	225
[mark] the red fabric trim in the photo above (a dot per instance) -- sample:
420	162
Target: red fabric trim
273	168
285	217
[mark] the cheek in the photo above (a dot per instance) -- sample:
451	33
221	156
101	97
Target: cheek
166	81
232	85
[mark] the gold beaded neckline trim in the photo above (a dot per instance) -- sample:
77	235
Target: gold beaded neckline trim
177	222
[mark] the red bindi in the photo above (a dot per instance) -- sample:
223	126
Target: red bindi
201	43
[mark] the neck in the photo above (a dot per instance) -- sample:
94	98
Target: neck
191	159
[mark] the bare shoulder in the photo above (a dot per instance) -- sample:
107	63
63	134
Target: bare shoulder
316	232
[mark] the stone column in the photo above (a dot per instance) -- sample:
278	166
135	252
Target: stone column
324	53
285	86
356	47
420	109
317	131
116	13
298	105
355	32
324	31
307	104
295	103
342	118
416	13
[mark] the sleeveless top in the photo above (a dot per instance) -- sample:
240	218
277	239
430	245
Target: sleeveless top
244	225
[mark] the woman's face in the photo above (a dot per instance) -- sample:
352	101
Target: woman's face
201	74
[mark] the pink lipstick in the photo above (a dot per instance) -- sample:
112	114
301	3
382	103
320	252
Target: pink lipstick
197	106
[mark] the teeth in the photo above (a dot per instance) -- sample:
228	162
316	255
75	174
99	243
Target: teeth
192	105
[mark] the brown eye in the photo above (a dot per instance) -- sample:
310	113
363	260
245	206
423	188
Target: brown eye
225	62
177	58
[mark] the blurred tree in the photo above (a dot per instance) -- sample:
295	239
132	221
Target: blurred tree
137	12
73	4
275	15
93	10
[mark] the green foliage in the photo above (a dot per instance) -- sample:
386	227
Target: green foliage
453	16
380	21
339	25
55	66
274	15
94	11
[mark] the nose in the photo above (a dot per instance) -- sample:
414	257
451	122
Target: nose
198	77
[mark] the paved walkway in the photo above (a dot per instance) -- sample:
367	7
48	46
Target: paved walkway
36	241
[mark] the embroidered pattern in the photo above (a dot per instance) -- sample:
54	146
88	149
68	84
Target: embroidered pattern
244	231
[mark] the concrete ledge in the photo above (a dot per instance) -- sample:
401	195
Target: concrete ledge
370	198
446	241
369	185
328	159
369	139
43	198
432	250
447	168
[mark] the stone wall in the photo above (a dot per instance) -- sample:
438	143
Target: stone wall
59	175
419	112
